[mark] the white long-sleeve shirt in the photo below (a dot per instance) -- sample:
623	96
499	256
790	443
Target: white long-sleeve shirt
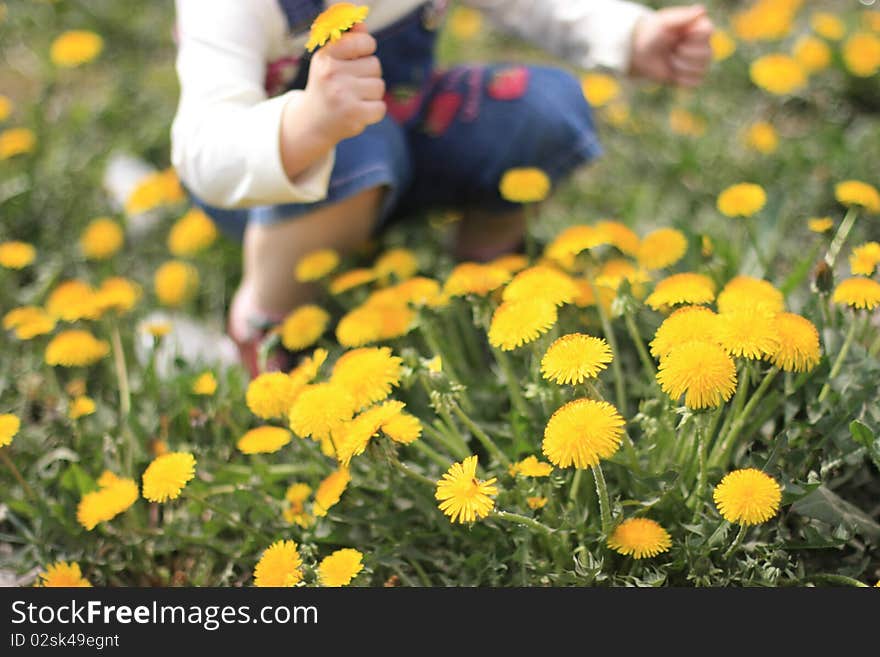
226	134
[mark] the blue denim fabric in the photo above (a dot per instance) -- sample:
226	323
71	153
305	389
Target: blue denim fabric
449	135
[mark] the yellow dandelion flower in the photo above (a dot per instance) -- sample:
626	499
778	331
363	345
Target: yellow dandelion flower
723	45
572	241
685	122
526	185
745	293
75	47
167	476
263	440
858	292
154	190
279	566
542	282
157	329
16	255
617	270
684	325
205	384
574	358
812	54
686	288
73	300
80	407
586	295
662	248
827	25
192	233
64	575
462	496
6	107
9	426
515	323
272	394
799	349
76	348
403	428
639	538
340	568
309	367
175	283
316	265
865	258
536	503
620	236
741	200
297	493
530	466
330	491
599	88
855	192
118	294
101	239
319	409
114	496
352	438
28	322
400	263
618	114
368	374
747	497
707	246
303	327
581	433
701	371
335	21
778	73
351	279
511	262
16	141
861	54
374	322
473	278
748	333
871	20
465	23
820	224
417	291
761	136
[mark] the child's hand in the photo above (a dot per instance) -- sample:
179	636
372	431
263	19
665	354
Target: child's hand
345	90
672	45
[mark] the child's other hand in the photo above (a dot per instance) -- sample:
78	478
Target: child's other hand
672	45
345	90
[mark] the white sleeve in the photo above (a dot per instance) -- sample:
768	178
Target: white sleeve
587	33
226	135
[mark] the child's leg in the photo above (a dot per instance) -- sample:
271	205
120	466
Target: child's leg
268	290
484	235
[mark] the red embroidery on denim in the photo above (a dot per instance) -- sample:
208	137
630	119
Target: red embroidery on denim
403	103
509	83
475	94
279	73
442	112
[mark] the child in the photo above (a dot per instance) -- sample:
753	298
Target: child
368	127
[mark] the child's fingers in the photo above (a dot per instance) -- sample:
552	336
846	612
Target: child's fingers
365	67
694	51
374	111
687	66
370	88
700	30
352	45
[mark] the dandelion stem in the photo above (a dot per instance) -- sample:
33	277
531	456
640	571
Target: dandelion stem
435	456
840	236
412	474
647	361
124	395
753	240
838	362
482	436
518	519
575	485
721	452
453	446
616	367
702	441
16	473
256	533
604	502
516	396
741	534
831	578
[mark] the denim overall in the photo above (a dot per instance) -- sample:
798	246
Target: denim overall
449	135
